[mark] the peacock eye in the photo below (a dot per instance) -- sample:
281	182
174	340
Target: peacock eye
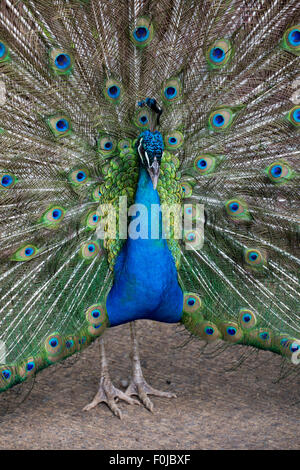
142	118
79	176
205	164
219	53
92	220
107	145
89	250
193	240
60	61
59	125
113	90
209	332
30	366
294	116
237	209
231	331
7	181
291	39
220	119
95	314
173	140
192	303
171	90
25	253
279	172
254	258
124	144
4	52
53	216
142	34
247	318
186	188
54	346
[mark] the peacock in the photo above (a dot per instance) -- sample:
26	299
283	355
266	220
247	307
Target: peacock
112	110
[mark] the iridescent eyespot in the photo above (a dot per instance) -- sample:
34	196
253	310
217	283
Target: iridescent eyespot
205	164
293	116
95	314
231	332
219	53
142	34
54	346
60	61
6	377
173	140
247	318
291	40
53	216
261	337
209	332
279	172
25	253
186	188
60	125
192	212
113	90
142	118
97	193
254	258
192	303
7	180
171	91
124	144
4	52
220	119
193	239
107	145
92	220
89	250
237	209
79	176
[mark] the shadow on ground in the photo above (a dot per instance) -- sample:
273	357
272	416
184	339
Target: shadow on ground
214	409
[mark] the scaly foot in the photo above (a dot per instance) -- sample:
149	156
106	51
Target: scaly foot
138	385
107	392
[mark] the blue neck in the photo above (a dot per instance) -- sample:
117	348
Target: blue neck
145	276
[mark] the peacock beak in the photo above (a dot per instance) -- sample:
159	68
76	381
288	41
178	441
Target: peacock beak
153	171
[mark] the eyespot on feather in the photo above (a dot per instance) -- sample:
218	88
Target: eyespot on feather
237	209
279	172
4	52
61	62
113	91
7	180
60	125
173	140
192	303
79	176
89	250
247	318
293	116
171	91
291	40
142	118
231	332
107	145
25	253
219	53
142	33
221	119
7	376
254	258
54	346
209	331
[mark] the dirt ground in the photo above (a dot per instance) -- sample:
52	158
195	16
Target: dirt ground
214	409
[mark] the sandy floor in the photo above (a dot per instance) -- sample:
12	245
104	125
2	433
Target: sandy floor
214	409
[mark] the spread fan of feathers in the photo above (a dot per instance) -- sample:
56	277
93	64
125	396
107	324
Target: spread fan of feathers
72	74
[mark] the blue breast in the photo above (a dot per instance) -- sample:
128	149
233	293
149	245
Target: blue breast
145	276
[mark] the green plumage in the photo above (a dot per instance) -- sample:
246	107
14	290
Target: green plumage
73	73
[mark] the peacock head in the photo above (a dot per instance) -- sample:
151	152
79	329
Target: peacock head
150	144
150	147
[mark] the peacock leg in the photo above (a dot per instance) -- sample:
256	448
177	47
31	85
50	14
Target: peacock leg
107	392
138	385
